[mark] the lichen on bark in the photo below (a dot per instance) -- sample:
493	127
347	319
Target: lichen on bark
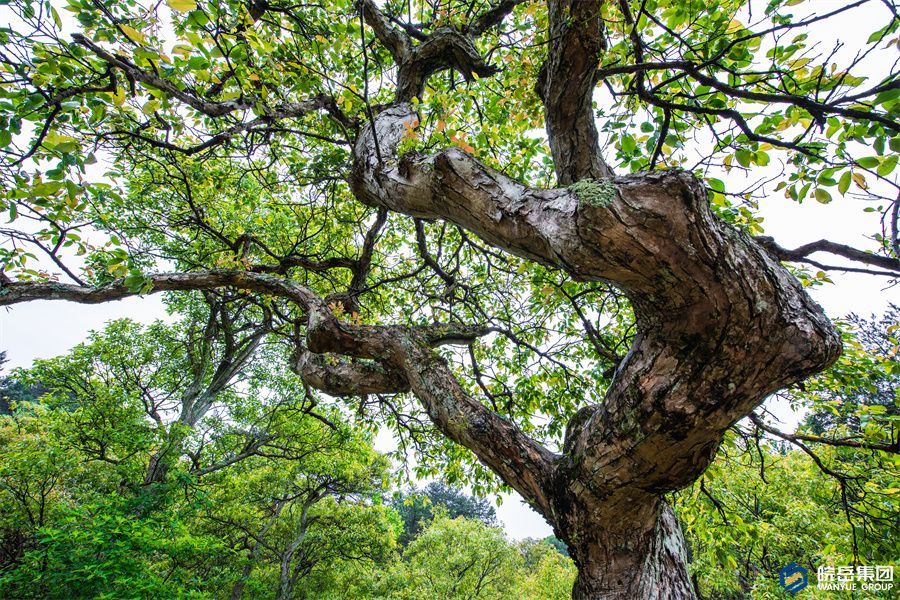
599	194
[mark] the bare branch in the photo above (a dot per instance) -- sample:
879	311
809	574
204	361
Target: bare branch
817	439
801	253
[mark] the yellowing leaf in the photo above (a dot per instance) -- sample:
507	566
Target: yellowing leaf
182	50
135	35
119	97
150	107
182	5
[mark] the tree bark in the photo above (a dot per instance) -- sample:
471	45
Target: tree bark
566	86
642	555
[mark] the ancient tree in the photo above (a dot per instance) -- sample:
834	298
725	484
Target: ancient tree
477	218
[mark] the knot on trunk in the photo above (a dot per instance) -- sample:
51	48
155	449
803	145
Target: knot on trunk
341	378
444	48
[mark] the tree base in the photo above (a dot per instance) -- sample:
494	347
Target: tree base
648	566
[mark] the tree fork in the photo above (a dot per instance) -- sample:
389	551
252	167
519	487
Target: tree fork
721	324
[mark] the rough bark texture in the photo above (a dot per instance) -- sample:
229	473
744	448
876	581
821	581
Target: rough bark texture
638	556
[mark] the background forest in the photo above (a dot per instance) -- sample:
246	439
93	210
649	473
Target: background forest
144	463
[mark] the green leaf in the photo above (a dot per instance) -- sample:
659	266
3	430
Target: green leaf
716	184
150	107
868	162
198	18
844	183
182	5
888	165
55	16
47	189
822	195
134	282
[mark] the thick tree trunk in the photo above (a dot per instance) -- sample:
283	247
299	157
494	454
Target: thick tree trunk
626	554
720	326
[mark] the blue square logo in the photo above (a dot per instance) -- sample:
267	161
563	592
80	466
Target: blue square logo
793	578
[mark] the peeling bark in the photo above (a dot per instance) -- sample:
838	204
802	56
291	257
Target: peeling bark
349	379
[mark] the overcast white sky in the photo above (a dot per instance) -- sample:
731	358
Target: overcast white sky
45	329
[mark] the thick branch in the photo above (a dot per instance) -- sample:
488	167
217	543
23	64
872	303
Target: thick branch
720	323
397	42
405	361
444	48
341	378
520	461
566	85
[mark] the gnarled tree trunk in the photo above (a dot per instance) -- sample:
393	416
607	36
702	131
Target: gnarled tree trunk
624	554
720	323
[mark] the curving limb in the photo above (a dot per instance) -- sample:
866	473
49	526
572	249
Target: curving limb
801	254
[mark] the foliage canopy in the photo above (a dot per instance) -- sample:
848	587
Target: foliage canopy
406	214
